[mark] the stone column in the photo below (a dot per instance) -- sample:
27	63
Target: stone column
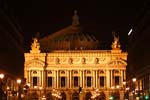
121	79
54	79
112	78
57	77
28	76
70	77
67	85
96	77
108	79
93	75
42	79
81	78
124	74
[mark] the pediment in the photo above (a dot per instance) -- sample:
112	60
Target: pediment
118	62
34	64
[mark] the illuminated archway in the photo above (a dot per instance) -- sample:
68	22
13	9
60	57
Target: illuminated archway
102	96
34	96
75	96
88	96
63	95
49	96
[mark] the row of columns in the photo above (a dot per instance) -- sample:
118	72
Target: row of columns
109	78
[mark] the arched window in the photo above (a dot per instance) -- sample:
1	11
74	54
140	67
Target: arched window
101	72
88	72
116	71
75	72
34	72
49	72
62	72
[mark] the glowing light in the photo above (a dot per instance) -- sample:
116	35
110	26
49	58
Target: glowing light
18	81
56	94
134	79
130	31
1	76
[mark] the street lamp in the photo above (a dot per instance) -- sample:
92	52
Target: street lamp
26	89
124	88
134	80
19	88
2	76
40	88
1	86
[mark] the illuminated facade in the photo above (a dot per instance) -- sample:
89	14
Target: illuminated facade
70	62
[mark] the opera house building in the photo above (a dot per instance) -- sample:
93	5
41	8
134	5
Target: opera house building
68	65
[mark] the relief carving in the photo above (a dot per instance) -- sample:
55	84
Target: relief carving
57	61
70	61
83	61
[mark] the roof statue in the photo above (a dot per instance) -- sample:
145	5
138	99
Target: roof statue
35	46
75	19
115	44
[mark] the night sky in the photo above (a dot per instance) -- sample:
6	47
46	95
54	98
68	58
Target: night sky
96	16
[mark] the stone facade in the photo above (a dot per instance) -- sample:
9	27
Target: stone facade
76	74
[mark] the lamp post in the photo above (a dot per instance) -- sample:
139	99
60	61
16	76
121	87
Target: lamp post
112	93
1	86
134	80
40	88
26	89
19	89
124	89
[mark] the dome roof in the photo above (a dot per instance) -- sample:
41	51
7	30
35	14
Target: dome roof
70	38
76	41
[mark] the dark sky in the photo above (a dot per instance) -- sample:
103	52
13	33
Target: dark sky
99	17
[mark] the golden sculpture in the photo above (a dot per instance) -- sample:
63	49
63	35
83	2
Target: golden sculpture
35	47
115	44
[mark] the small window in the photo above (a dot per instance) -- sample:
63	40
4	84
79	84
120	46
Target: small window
88	72
101	72
62	72
75	72
116	71
49	72
34	72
